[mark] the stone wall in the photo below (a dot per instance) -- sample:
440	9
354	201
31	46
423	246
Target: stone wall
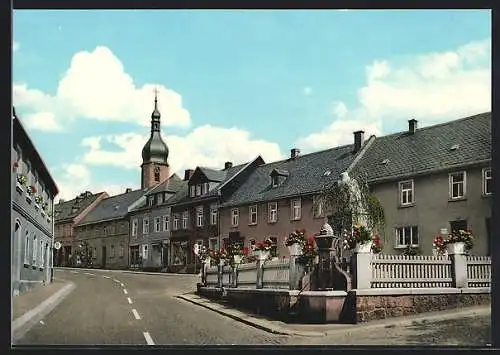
372	307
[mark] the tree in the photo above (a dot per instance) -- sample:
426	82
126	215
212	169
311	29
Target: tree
350	201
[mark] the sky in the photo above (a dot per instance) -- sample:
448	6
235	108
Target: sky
235	84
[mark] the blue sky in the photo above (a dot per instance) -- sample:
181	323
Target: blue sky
235	84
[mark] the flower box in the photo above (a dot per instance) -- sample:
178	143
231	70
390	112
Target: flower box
456	248
295	249
364	248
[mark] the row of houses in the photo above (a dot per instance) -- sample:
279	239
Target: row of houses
426	179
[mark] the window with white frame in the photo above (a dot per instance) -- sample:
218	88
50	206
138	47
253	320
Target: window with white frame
145	252
274	247
235	217
407	235
192	190
296	208
135	227
199	216
185	217
34	257
94	254
198	190
457	185
104	230
205	188
176	222
166	223
213	215
151	201
406	193
145	226
252	215
41	260
159	198
28	172
487	182
26	248
212	243
47	255
112	252
121	252
157	224
273	212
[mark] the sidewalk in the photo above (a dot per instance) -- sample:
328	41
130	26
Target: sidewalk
319	330
31	307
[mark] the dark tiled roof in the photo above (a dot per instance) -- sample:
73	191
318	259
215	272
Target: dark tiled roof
171	185
212	174
182	197
428	149
113	207
306	174
71	209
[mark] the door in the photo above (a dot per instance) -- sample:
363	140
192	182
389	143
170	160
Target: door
103	257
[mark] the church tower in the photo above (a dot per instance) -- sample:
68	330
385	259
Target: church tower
155	168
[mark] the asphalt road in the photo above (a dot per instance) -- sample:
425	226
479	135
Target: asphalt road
111	308
122	308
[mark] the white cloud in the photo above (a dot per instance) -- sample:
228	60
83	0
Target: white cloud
205	146
97	87
15	46
43	121
307	91
432	88
74	179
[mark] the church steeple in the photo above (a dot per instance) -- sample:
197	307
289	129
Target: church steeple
155	167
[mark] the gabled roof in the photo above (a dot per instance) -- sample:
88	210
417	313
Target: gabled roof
68	210
182	197
113	207
307	174
456	143
213	174
171	185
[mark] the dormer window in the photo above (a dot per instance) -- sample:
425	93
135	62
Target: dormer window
198	190
192	190
278	176
205	188
159	198
275	180
151	201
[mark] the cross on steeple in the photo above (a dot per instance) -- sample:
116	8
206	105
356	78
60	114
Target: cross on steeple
156	94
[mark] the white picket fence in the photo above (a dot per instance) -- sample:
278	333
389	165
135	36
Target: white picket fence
402	271
247	275
276	273
479	271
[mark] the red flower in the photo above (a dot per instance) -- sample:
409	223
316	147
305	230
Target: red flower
33	188
245	251
15	165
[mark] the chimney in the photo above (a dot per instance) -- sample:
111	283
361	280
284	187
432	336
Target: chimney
294	153
412	126
359	137
61	200
127	190
228	165
187	174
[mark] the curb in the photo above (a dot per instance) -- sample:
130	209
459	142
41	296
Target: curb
24	323
126	271
247	319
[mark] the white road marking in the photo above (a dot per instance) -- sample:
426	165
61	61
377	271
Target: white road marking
136	315
148	338
129	300
106	277
42	322
117	281
74	272
125	291
88	273
122	285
